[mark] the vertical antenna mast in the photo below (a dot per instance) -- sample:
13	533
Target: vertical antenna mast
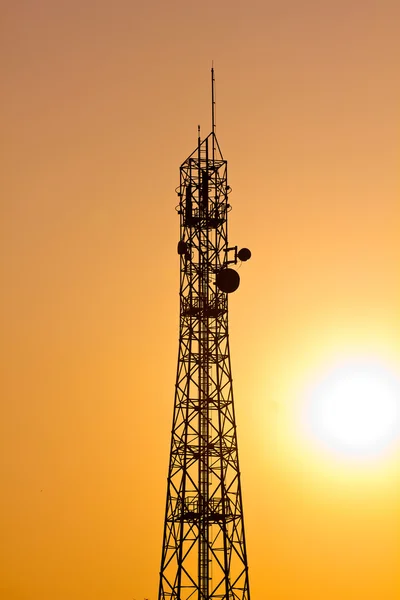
213	100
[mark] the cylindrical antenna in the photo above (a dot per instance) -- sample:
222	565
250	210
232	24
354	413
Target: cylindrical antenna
213	112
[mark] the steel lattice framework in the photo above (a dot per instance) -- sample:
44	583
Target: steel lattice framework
204	549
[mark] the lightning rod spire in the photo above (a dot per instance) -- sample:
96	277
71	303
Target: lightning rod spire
213	100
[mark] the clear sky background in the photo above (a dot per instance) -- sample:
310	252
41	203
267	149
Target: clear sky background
100	105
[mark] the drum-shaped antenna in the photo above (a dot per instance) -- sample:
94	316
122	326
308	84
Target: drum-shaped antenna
182	247
228	280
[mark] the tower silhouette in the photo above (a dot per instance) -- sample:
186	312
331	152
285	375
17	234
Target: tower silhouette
204	548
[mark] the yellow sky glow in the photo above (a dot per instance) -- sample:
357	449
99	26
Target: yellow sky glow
101	103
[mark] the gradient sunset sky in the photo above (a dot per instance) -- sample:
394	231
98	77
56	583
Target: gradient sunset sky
100	106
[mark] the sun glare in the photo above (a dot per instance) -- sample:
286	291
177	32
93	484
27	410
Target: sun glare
354	409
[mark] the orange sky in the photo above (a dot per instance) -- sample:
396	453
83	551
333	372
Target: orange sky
100	105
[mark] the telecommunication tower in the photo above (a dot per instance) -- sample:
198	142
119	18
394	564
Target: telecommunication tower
204	547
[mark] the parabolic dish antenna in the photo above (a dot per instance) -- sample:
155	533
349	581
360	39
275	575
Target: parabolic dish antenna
228	280
244	254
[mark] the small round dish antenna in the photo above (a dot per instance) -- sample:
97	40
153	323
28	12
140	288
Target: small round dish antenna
228	280
244	254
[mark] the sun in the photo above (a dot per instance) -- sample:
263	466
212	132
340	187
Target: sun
354	410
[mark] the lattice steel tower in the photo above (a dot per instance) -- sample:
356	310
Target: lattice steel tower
204	549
